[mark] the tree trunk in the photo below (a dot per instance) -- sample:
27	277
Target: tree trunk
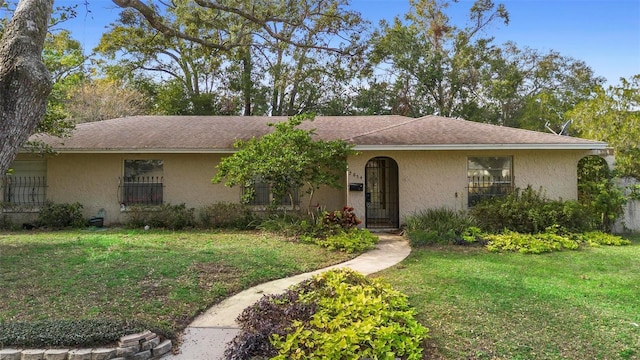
25	82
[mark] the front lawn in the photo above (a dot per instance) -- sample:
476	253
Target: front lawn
158	278
565	305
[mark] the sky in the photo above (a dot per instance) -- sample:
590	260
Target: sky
605	34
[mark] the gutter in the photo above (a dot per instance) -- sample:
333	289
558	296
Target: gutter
583	146
426	147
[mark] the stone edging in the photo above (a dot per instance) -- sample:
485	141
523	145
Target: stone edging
142	346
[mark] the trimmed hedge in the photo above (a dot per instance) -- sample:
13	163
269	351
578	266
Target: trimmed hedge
80	332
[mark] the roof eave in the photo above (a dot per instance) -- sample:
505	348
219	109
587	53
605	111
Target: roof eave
432	147
580	146
141	151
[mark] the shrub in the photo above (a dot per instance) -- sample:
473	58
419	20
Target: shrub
59	216
76	332
350	241
528	211
549	241
225	215
272	314
604	200
338	314
167	216
6	223
289	225
597	238
439	225
529	243
345	218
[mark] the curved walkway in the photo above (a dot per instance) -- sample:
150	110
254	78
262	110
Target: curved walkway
206	337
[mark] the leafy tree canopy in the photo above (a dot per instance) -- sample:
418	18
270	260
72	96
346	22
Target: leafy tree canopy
613	115
287	158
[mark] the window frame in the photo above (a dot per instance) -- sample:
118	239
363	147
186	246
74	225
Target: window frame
262	195
138	189
488	185
25	175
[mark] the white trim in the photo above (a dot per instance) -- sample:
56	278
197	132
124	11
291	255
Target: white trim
144	151
582	146
576	146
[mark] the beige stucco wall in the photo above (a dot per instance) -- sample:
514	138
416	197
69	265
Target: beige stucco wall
430	179
92	180
427	179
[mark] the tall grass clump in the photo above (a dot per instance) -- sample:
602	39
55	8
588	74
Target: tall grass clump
438	226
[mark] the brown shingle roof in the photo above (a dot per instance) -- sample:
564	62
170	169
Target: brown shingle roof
218	133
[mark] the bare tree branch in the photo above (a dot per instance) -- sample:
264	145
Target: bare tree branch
158	23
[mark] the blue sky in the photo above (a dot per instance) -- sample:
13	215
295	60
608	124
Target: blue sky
603	33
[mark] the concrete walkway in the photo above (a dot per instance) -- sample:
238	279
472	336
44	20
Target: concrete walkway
208	335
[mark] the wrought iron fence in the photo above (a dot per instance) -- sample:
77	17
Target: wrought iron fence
24	190
141	190
483	187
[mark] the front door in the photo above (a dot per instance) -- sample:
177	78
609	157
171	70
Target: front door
381	193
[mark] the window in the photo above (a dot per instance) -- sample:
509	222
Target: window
489	176
26	184
142	182
262	195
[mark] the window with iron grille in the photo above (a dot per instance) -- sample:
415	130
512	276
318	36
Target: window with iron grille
142	183
262	194
489	176
26	184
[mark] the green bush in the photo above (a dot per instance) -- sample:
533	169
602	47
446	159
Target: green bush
289	225
345	218
437	226
349	241
529	243
167	216
225	215
597	238
549	241
59	216
338	314
528	211
78	332
6	223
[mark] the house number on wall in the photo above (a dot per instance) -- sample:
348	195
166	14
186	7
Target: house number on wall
354	175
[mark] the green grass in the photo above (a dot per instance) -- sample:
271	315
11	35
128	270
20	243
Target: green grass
160	278
564	305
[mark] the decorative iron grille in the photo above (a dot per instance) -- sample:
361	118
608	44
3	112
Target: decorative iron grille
24	190
141	190
485	187
262	195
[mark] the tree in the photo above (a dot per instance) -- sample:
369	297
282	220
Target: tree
287	160
441	63
529	89
64	58
134	47
612	115
273	56
25	82
103	99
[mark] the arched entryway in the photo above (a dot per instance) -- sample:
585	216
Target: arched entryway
381	194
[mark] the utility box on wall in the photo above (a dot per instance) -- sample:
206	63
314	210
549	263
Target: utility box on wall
356	187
